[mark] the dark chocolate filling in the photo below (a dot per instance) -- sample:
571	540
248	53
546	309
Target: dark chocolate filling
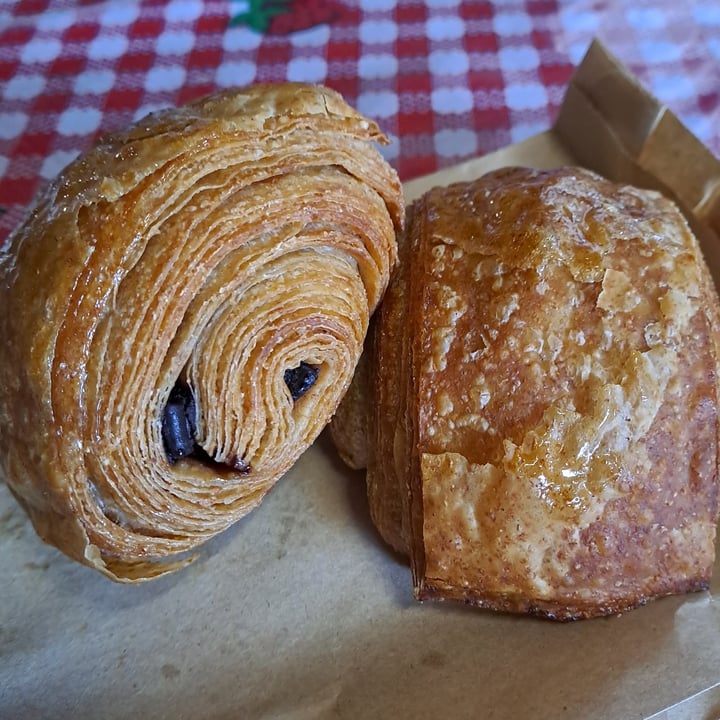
179	425
179	417
300	379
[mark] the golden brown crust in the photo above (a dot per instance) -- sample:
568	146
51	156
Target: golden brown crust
221	243
349	426
561	406
388	455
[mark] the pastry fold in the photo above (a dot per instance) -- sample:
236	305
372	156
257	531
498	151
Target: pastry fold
181	314
543	423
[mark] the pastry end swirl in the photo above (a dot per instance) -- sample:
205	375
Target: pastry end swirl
154	302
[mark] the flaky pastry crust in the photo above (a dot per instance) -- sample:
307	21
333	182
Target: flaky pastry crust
217	244
547	440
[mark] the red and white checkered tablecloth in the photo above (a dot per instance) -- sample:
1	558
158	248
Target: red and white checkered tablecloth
445	79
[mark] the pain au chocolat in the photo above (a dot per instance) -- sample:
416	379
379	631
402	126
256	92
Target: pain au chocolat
543	430
182	312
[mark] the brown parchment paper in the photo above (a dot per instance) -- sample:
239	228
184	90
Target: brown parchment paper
299	611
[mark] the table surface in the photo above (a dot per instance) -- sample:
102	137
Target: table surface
446	80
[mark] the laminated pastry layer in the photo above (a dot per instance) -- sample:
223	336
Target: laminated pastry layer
556	437
182	312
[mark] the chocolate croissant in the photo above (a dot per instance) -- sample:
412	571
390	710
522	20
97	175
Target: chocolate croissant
543	429
182	312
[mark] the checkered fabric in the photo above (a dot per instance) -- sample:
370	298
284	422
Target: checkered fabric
445	79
